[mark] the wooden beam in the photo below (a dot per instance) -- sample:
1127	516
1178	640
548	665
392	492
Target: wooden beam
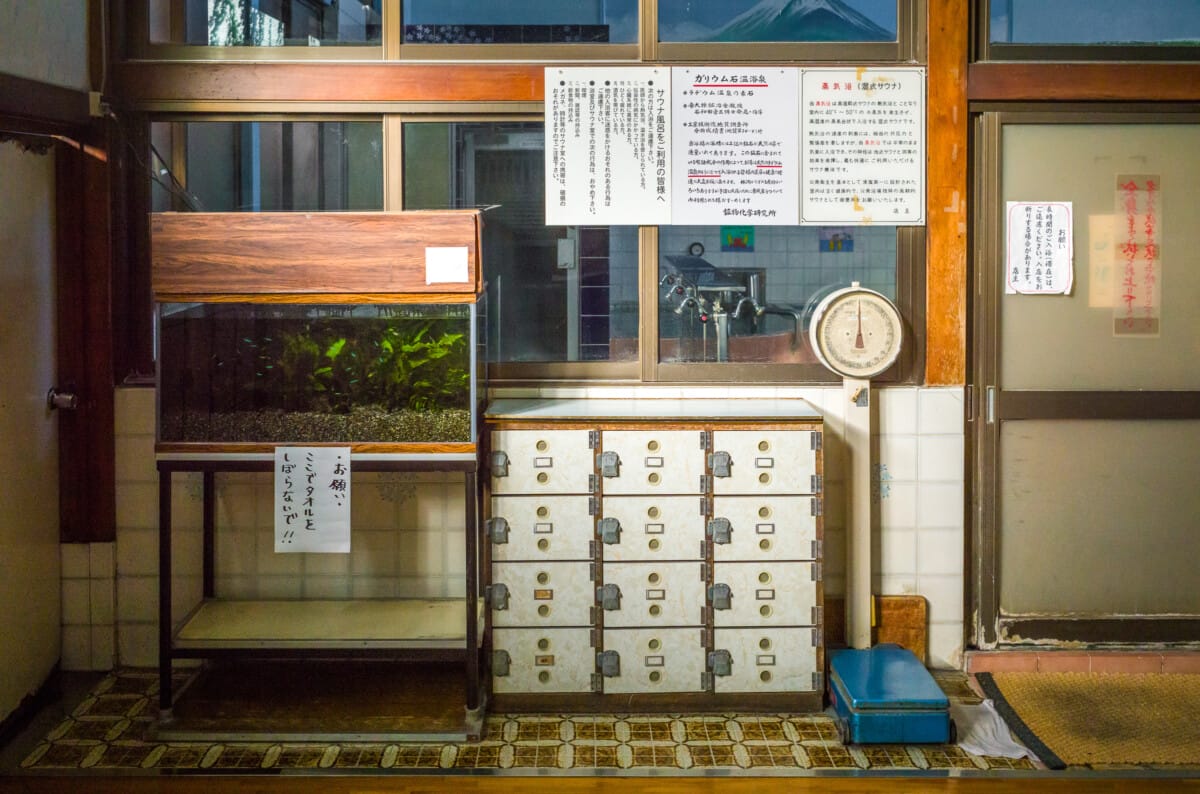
143	82
1082	82
34	106
946	195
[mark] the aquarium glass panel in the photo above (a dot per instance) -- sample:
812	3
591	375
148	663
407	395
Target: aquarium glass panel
520	22
556	293
246	372
743	294
1117	22
266	23
777	20
259	166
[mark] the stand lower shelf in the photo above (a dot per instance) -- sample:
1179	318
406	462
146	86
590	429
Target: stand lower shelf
219	624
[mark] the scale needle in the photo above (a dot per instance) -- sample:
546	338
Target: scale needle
858	340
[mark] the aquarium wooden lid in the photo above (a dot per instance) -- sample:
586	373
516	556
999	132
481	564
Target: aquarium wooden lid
424	252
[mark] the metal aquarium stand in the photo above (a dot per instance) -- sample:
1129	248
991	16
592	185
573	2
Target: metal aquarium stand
205	632
884	695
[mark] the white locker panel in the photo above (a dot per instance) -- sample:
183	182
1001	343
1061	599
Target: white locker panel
656	660
542	527
654	528
656	594
766	461
766	528
544	660
541	461
774	660
766	594
543	594
655	461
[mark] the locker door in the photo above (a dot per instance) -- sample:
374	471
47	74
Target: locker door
656	594
541	594
540	461
652	528
765	528
654	461
766	461
766	594
656	660
542	660
540	528
771	660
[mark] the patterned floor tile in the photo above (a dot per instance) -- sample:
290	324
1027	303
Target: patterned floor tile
240	757
359	757
603	757
421	756
771	755
888	756
176	757
650	730
538	730
124	756
1008	763
705	729
478	757
655	755
587	730
762	729
709	755
830	756
947	757
537	756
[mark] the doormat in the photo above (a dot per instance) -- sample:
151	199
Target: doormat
1100	719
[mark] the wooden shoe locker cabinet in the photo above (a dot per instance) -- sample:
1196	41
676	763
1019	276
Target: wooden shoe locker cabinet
654	554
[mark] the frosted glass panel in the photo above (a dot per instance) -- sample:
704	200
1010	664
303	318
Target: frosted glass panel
1099	517
1069	342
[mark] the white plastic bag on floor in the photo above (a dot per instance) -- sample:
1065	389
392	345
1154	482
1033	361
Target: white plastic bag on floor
982	731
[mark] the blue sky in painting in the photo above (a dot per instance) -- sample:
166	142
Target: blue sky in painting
1094	21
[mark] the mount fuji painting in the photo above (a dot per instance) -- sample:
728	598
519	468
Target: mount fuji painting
802	20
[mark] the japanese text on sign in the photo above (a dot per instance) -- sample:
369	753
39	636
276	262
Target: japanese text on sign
312	499
863	146
608	147
735	149
1040	248
1137	249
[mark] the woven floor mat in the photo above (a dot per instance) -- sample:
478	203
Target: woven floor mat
1101	719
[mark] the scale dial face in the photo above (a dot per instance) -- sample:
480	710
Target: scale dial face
856	332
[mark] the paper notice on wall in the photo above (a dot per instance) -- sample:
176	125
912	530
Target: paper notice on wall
312	499
608	148
1039	248
446	265
735	152
862	146
1137	255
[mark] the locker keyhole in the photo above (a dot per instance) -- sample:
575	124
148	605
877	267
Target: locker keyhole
542	446
652	445
763	446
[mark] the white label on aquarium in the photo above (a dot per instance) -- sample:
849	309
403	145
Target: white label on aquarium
446	265
312	499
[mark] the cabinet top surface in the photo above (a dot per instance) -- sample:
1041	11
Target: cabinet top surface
654	409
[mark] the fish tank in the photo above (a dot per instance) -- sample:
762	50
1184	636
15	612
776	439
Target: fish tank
376	375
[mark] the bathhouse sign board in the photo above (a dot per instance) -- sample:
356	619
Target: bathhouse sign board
729	145
312	499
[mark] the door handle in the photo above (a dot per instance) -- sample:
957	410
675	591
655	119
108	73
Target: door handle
66	400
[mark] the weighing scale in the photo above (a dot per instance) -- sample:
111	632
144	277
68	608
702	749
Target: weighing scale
880	694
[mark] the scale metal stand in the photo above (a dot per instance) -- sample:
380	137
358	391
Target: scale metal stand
880	694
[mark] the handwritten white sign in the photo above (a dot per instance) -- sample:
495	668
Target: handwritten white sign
312	499
1039	253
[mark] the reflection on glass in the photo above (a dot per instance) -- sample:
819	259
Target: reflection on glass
520	22
557	293
266	23
746	294
777	20
259	166
1174	22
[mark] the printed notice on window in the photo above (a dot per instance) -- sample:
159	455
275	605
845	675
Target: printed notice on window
608	154
1137	255
863	146
1039	248
312	499
735	149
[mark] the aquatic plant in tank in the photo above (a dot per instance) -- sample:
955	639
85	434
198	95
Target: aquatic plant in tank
306	373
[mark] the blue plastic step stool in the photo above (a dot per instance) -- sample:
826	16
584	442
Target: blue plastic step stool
885	695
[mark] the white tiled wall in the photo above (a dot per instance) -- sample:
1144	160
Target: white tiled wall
408	539
88	606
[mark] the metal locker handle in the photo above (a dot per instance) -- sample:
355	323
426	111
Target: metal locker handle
720	662
498	530
721	464
609	596
499	464
609	464
497	596
720	530
610	530
721	596
501	662
609	663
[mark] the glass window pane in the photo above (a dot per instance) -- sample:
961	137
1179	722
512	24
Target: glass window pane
776	20
1175	22
557	293
520	22
266	23
1082	163
259	166
744	294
